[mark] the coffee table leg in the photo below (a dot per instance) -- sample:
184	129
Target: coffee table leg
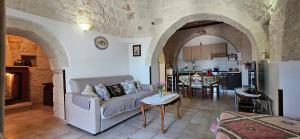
178	108
162	111
143	112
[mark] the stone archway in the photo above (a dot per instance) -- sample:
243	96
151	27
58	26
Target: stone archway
253	30
56	53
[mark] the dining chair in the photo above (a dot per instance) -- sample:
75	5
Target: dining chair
184	85
206	85
196	83
211	82
215	84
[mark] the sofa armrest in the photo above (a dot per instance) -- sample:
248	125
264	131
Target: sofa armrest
83	101
147	87
86	119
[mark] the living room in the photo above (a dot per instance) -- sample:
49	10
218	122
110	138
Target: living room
89	43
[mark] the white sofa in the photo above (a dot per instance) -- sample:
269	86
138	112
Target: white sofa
92	119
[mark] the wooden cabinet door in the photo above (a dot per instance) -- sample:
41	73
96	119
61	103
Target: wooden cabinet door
219	50
205	52
196	53
187	53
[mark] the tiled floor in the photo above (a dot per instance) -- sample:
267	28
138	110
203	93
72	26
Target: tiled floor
197	115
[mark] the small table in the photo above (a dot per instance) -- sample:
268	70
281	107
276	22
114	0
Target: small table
160	102
240	92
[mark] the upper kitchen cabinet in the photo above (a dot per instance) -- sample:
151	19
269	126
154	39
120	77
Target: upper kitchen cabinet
219	50
196	53
187	53
205	52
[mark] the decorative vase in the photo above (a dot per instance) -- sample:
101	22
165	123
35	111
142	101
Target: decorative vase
160	92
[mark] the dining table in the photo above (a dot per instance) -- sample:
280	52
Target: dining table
209	82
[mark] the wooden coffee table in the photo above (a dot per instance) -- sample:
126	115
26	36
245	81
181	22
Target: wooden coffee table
161	102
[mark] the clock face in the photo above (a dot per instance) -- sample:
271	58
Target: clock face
101	43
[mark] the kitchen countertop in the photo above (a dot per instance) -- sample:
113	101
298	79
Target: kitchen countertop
234	72
212	71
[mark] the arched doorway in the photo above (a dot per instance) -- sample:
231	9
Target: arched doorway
56	53
251	29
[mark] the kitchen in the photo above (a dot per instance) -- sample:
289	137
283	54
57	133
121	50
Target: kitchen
206	53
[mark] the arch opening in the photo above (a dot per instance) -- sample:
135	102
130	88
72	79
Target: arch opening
257	37
56	53
37	33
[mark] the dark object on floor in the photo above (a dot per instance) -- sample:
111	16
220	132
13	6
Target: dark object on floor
234	80
48	94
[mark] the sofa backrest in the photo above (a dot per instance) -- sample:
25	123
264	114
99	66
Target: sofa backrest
78	84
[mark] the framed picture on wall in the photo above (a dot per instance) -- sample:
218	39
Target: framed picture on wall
136	49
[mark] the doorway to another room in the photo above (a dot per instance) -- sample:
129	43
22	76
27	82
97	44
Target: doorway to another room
206	58
29	86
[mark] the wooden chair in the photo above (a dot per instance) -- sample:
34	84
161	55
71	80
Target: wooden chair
211	82
205	85
216	85
184	85
196	84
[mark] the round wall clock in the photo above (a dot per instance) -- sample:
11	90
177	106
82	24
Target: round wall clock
101	43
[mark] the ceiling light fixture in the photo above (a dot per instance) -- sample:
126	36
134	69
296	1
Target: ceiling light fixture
84	16
85	26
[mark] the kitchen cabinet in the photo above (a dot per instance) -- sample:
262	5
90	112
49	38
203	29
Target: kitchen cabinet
219	50
187	53
205	52
196	53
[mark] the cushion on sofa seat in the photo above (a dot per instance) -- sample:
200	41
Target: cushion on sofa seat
89	91
115	90
138	85
129	87
146	87
117	105
102	91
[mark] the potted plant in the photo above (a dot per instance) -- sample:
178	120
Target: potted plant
160	86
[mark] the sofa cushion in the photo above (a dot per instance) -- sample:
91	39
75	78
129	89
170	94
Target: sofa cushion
138	85
77	85
102	91
129	87
115	90
89	91
146	87
117	105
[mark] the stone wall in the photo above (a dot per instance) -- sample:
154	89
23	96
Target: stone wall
40	72
285	31
284	45
291	36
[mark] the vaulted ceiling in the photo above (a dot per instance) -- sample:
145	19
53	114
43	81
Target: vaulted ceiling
133	17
